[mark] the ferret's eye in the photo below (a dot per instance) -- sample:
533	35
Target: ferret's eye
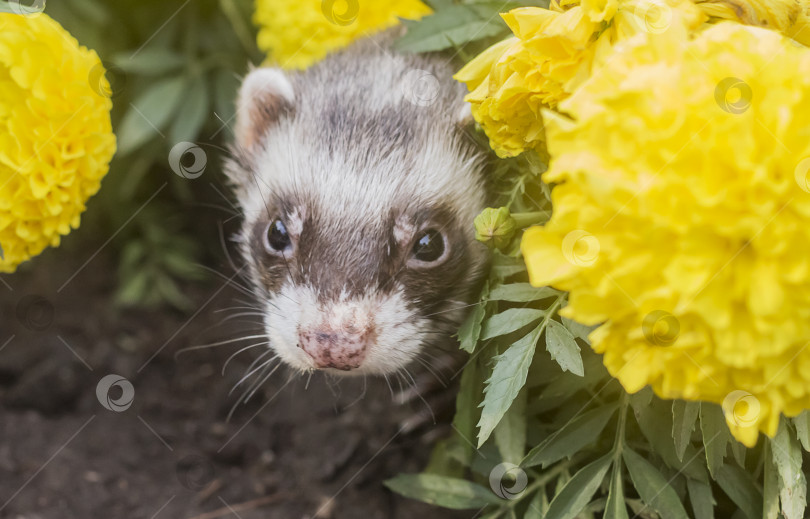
429	247
277	238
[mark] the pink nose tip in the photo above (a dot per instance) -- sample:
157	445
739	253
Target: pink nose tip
330	349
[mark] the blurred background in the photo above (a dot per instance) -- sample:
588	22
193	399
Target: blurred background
101	415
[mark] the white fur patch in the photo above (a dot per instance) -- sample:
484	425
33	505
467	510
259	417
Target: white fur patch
397	331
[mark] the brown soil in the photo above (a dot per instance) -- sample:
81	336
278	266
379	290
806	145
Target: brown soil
296	450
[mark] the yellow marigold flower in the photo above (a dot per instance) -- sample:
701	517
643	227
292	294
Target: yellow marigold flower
56	140
296	34
681	219
555	50
790	17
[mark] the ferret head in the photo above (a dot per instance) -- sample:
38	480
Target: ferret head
358	206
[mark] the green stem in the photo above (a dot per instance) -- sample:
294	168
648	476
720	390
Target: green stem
542	481
524	220
618	443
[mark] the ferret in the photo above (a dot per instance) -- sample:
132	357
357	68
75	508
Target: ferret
359	187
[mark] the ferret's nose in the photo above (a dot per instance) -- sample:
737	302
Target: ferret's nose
339	349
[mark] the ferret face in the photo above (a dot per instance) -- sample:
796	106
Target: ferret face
358	220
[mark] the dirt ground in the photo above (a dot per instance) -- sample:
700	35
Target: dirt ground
296	450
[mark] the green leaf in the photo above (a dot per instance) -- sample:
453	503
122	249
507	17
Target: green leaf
192	114
802	423
569	439
470	329
716	435
508	377
655	422
149	113
616	507
510	321
153	60
563	348
521	293
684	415
654	490
510	433
453	26
576	495
538	506
787	455
700	495
457	494
467	413
739	485
579	330
770	485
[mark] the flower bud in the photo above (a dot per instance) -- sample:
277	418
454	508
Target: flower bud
495	227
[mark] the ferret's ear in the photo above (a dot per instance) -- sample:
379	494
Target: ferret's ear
266	95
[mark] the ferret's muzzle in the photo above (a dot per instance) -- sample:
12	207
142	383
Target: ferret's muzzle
340	341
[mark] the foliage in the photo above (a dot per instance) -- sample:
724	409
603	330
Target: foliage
542	426
174	70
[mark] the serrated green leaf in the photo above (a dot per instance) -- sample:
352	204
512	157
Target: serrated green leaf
700	495
639	401
739	485
508	378
653	488
716	436
467	411
152	60
453	493
510	433
576	495
787	455
569	439
802	423
739	451
521	293
453	26
770	485
579	330
192	113
684	416
510	321
470	330
655	422
563	348
149	113
616	507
